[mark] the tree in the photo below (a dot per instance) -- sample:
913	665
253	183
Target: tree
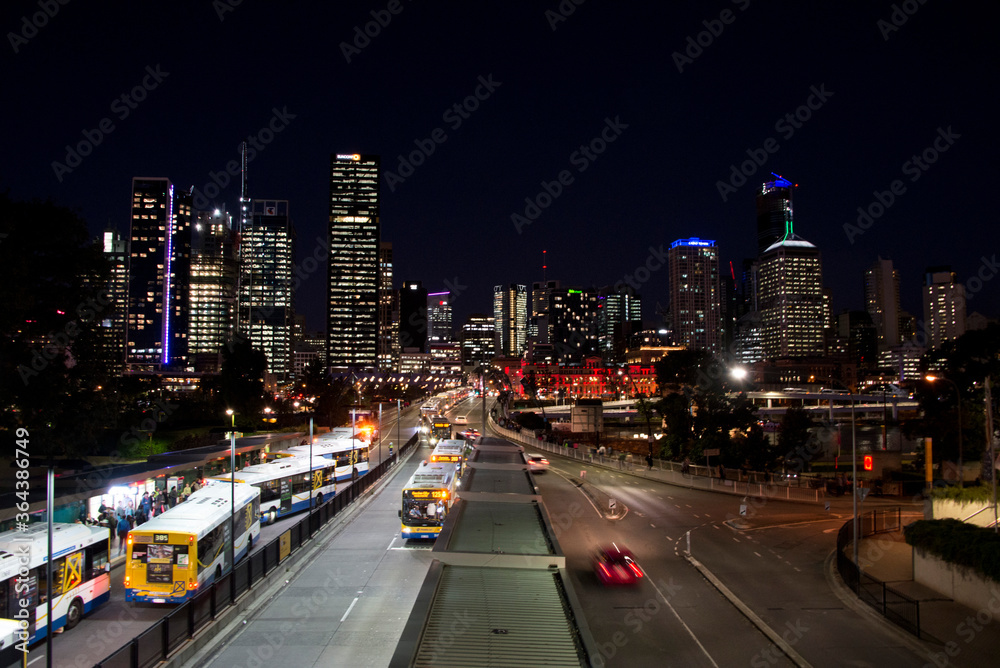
50	341
795	432
241	382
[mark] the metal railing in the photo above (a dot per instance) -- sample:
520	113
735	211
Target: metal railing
169	634
696	477
895	606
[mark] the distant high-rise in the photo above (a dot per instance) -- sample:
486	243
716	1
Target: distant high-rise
477	340
212	319
774	212
510	317
944	306
388	313
266	290
540	325
439	317
573	323
695	294
113	319
882	301
619	315
353	277
792	308
159	258
413	325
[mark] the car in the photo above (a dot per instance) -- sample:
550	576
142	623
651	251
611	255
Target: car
471	434
537	463
614	565
461	419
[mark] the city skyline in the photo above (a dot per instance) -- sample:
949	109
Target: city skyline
873	123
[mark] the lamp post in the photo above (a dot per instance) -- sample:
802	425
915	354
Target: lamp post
958	396
854	471
649	426
232	488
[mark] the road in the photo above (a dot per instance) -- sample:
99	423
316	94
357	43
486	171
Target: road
117	622
777	566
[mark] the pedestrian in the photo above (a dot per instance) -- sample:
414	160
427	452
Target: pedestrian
187	490
123	528
722	472
686	466
172	497
195	486
649	460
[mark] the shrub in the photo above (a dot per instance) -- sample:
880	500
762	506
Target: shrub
958	543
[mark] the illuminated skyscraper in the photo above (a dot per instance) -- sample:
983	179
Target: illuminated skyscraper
774	212
413	325
695	294
477	340
388	313
353	277
113	318
510	318
439	317
619	315
944	306
212	319
792	309
882	301
573	323
266	290
159	266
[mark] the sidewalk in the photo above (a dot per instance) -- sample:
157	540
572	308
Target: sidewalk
964	636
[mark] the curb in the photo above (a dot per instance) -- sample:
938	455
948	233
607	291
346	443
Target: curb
754	619
203	647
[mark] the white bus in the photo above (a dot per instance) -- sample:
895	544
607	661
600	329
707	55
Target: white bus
427	498
284	483
175	555
81	579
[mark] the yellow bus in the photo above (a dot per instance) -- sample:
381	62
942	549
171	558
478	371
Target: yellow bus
175	555
450	450
427	498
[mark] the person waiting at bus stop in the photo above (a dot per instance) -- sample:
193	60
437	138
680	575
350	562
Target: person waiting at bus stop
124	526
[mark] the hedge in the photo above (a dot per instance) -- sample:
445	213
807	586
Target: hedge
958	542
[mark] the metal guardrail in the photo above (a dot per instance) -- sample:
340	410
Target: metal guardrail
697	477
891	603
166	636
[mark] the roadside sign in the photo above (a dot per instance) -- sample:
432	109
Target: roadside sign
743	509
862	493
612	504
710	452
827	506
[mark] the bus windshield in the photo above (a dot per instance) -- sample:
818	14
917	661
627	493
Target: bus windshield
425	508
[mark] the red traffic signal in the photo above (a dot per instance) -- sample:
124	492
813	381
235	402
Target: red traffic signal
869	463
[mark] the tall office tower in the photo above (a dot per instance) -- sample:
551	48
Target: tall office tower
792	310
695	294
882	301
539	322
212	319
113	318
857	330
413	317
388	312
477	340
944	306
573	323
159	265
353	277
266	290
510	317
774	212
439	317
619	315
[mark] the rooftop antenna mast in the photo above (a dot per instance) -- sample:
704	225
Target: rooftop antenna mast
544	266
244	275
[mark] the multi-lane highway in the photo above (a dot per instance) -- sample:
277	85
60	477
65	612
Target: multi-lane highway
777	565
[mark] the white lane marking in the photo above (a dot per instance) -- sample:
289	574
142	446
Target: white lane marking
758	554
736	539
686	627
349	608
652	525
390	544
716	526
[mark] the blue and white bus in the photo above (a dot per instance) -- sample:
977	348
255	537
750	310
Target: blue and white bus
81	579
427	498
285	483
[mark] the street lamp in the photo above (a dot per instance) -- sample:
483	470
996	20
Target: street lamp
854	470
649	426
232	488
958	396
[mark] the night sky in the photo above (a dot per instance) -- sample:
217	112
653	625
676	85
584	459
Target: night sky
676	115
